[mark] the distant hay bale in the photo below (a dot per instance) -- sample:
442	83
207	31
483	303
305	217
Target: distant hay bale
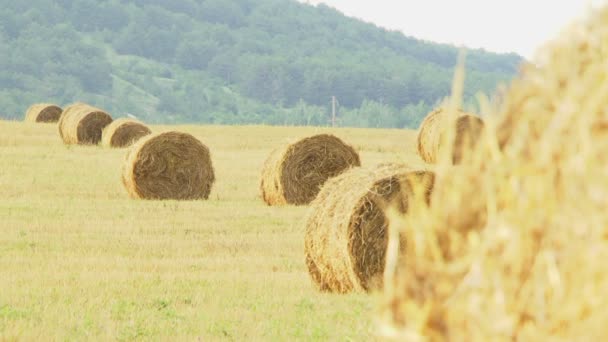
43	112
433	130
294	174
169	165
346	230
83	124
123	132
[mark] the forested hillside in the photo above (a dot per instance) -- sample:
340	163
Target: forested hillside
226	61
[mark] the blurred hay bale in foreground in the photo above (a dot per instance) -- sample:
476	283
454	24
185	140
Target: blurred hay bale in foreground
527	260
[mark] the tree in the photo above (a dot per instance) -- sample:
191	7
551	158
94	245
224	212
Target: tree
228	61
196	54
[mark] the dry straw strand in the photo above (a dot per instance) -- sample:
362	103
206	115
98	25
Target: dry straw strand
123	132
294	174
43	112
433	131
346	229
83	124
513	247
170	165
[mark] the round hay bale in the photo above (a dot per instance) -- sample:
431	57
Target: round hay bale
294	174
169	165
432	135
123	132
346	229
82	124
43	112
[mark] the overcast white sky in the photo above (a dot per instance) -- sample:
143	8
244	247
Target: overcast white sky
496	25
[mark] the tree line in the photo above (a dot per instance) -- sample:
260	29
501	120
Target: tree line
227	61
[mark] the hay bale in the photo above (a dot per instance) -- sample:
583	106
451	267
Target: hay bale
346	230
534	269
43	112
434	129
123	132
294	174
82	124
169	165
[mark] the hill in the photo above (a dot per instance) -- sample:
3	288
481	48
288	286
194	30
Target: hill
227	62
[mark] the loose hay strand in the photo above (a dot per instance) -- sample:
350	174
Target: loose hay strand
294	173
170	165
123	132
521	227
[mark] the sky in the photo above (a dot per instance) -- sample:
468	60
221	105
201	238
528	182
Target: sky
519	26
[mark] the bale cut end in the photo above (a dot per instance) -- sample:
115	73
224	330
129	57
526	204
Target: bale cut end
43	112
346	230
295	173
123	132
83	124
171	165
434	129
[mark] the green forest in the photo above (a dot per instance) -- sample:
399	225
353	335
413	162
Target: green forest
227	62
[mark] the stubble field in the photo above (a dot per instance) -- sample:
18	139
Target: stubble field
81	260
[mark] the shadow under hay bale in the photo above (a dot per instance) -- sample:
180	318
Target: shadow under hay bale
169	165
43	112
294	174
123	132
346	230
82	124
434	129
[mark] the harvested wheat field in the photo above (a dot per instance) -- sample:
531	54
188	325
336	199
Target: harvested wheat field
43	112
294	173
530	265
123	132
169	165
82	124
346	230
81	260
433	138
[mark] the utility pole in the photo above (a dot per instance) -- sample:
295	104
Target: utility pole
333	111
